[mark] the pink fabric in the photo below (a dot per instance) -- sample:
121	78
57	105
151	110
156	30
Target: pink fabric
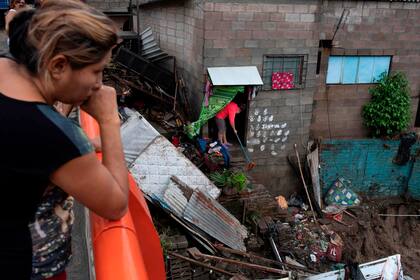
230	110
282	80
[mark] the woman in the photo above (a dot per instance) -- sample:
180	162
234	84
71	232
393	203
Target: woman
59	53
15	6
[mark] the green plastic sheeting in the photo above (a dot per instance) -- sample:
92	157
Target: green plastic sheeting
218	100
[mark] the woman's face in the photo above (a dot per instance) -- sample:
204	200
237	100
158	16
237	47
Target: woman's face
76	86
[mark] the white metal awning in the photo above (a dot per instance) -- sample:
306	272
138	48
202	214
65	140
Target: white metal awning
235	76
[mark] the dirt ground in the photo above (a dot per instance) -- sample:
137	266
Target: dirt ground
371	236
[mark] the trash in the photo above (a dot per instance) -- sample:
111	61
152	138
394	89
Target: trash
295	200
392	269
342	194
334	252
282	202
371	270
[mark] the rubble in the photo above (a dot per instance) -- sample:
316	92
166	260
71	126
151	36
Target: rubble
263	237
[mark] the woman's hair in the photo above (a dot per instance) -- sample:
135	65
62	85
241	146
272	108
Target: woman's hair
67	27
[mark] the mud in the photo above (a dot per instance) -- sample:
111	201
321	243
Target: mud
371	237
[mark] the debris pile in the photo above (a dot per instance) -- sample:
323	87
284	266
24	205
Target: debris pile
215	222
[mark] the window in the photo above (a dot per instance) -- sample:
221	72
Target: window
287	71
356	69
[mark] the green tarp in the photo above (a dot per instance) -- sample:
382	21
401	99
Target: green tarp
221	96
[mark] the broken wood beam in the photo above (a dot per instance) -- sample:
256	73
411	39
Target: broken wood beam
197	254
256	257
200	264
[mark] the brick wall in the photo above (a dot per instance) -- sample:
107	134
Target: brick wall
372	28
241	34
178	27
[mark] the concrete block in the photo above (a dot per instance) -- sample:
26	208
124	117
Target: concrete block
251	44
292	17
238	25
300	8
306	18
245	16
222	7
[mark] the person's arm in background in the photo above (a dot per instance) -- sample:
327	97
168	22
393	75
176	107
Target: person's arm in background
8	18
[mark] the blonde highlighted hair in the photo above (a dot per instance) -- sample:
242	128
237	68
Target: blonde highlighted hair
67	27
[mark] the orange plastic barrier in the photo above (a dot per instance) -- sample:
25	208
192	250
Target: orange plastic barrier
128	249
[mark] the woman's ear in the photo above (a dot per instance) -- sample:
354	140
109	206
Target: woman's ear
58	66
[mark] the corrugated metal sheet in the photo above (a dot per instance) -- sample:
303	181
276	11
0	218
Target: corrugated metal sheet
150	48
152	159
175	199
235	76
136	135
208	215
161	160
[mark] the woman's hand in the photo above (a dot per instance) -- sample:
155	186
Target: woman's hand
102	105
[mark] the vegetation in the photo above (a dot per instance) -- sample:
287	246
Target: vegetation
388	112
230	179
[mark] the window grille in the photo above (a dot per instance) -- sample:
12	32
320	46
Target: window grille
294	64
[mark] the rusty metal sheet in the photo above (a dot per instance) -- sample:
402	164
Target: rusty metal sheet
211	217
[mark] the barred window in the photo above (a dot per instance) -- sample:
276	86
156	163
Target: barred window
284	72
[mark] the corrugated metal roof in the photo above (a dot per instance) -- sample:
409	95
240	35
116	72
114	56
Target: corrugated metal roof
234	76
161	160
208	215
152	159
175	199
136	135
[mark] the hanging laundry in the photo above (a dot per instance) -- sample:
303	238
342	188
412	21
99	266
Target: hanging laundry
282	80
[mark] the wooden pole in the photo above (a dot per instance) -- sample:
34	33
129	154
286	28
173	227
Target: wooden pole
304	184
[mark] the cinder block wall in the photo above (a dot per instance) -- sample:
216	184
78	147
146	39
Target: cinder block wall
372	28
109	5
178	27
241	34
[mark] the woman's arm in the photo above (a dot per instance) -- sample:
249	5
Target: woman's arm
102	187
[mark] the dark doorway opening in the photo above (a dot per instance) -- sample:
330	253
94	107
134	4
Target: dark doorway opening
241	122
417	121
